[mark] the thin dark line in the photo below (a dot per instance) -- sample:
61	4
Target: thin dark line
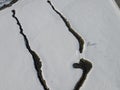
8	5
36	59
77	36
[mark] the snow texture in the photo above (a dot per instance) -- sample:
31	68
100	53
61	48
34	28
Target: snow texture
97	21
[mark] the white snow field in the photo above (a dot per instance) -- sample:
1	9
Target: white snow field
97	21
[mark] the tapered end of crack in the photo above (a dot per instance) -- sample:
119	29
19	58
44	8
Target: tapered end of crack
48	1
81	44
81	49
13	11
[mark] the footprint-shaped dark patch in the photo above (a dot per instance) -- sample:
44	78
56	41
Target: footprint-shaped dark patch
86	66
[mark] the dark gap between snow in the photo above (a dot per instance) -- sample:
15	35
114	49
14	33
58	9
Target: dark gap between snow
5	5
83	64
77	36
86	67
118	3
36	59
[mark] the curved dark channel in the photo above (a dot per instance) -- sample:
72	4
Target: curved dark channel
8	5
85	65
118	3
36	59
77	36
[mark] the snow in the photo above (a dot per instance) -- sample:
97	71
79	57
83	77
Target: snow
16	67
97	21
52	41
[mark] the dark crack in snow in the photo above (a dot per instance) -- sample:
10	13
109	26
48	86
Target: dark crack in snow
118	3
83	64
6	3
86	66
37	62
77	36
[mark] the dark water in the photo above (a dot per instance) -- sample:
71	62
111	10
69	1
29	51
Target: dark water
85	65
36	58
118	3
6	3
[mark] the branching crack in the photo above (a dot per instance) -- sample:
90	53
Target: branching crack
37	62
86	67
83	64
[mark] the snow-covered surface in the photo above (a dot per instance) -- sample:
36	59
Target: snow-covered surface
97	21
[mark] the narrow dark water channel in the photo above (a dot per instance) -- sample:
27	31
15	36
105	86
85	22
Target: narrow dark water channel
85	65
6	3
118	3
36	59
